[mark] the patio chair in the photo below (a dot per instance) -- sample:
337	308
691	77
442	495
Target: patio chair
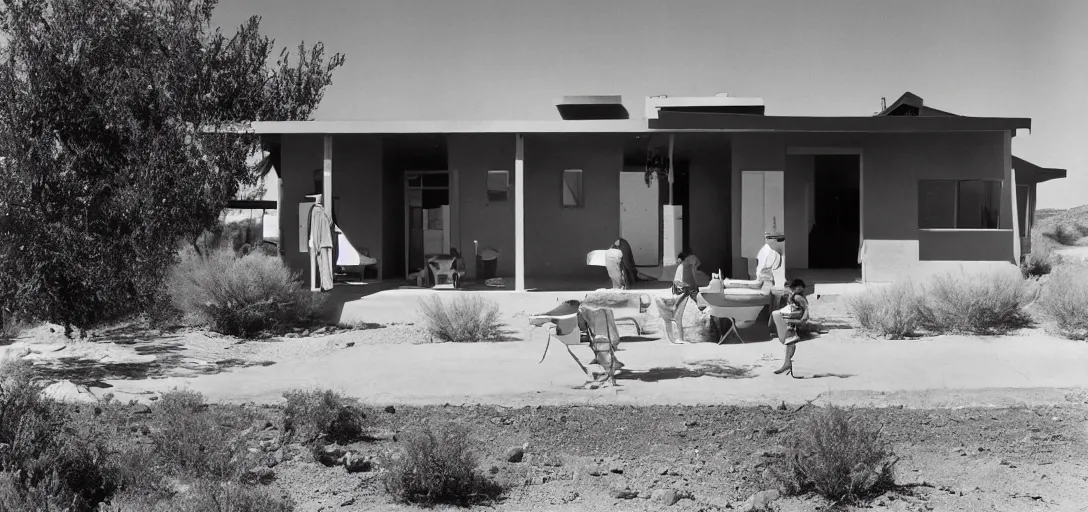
740	306
573	325
446	270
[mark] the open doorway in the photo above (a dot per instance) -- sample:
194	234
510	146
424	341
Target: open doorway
836	233
429	222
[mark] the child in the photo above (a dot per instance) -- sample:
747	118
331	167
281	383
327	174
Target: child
787	319
683	288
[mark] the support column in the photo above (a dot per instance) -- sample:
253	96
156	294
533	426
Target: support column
519	213
326	177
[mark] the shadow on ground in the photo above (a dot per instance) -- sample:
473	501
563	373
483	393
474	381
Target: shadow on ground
716	369
168	362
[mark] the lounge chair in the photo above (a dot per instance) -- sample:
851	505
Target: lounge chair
573	324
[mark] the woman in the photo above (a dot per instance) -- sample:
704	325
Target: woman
683	288
786	321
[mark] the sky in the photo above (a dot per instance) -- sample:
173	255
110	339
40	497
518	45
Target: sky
511	59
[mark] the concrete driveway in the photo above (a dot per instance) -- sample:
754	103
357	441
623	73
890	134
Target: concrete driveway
1031	368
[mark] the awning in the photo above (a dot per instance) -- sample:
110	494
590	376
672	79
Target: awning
1028	173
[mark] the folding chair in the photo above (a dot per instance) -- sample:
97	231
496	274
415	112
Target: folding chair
741	308
564	327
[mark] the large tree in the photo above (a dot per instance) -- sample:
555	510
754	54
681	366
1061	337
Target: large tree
113	116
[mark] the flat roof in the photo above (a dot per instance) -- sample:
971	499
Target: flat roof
668	122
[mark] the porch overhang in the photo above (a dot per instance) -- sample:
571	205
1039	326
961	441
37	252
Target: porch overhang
680	121
1028	173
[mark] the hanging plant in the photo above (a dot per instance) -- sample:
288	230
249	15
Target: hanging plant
657	165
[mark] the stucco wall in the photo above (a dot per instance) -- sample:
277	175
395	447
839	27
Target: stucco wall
892	165
490	223
557	239
357	189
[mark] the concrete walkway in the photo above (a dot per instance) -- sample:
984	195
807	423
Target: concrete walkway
939	372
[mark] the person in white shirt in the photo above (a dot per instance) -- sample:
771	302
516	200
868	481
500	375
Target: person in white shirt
768	260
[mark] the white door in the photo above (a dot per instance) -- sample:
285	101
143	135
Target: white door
773	202
638	216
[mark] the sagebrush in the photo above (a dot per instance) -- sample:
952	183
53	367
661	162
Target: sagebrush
242	296
985	302
890	311
463	319
1038	263
201	442
838	455
437	465
313	413
1064	300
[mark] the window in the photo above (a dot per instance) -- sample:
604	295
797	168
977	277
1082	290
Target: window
1022	209
498	185
959	204
572	188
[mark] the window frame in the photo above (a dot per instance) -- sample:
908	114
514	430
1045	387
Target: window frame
956	204
580	198
493	196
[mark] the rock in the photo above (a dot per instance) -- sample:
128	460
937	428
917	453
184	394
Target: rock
66	391
959	451
666	497
141	409
348	502
331	456
616	468
391	410
357	464
321	330
621	491
291	335
515	454
349	344
261	474
761	500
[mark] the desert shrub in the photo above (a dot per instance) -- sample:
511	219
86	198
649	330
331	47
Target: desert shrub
437	466
1066	235
1064	299
241	296
890	311
1038	263
991	302
45	465
836	454
203	497
313	413
464	319
199	441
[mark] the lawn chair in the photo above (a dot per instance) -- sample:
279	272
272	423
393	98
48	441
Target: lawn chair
740	306
574	325
445	270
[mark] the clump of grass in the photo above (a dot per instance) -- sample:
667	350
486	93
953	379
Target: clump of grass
313	413
889	312
241	296
464	319
1067	235
203	497
838	455
1038	263
437	467
201	442
1064	299
991	302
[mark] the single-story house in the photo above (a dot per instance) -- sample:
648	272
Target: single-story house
870	198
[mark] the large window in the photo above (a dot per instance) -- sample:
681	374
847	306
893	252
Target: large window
959	204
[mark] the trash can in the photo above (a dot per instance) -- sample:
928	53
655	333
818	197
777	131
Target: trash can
487	263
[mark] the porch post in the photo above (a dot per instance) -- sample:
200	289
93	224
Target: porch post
519	213
672	141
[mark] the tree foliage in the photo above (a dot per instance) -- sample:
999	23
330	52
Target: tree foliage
112	119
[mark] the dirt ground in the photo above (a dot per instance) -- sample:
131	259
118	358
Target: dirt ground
715	458
1022	458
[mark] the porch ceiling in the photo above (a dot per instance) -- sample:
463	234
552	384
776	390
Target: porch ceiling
1027	172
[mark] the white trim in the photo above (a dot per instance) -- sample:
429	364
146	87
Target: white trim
519	212
813	151
394	126
957	230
